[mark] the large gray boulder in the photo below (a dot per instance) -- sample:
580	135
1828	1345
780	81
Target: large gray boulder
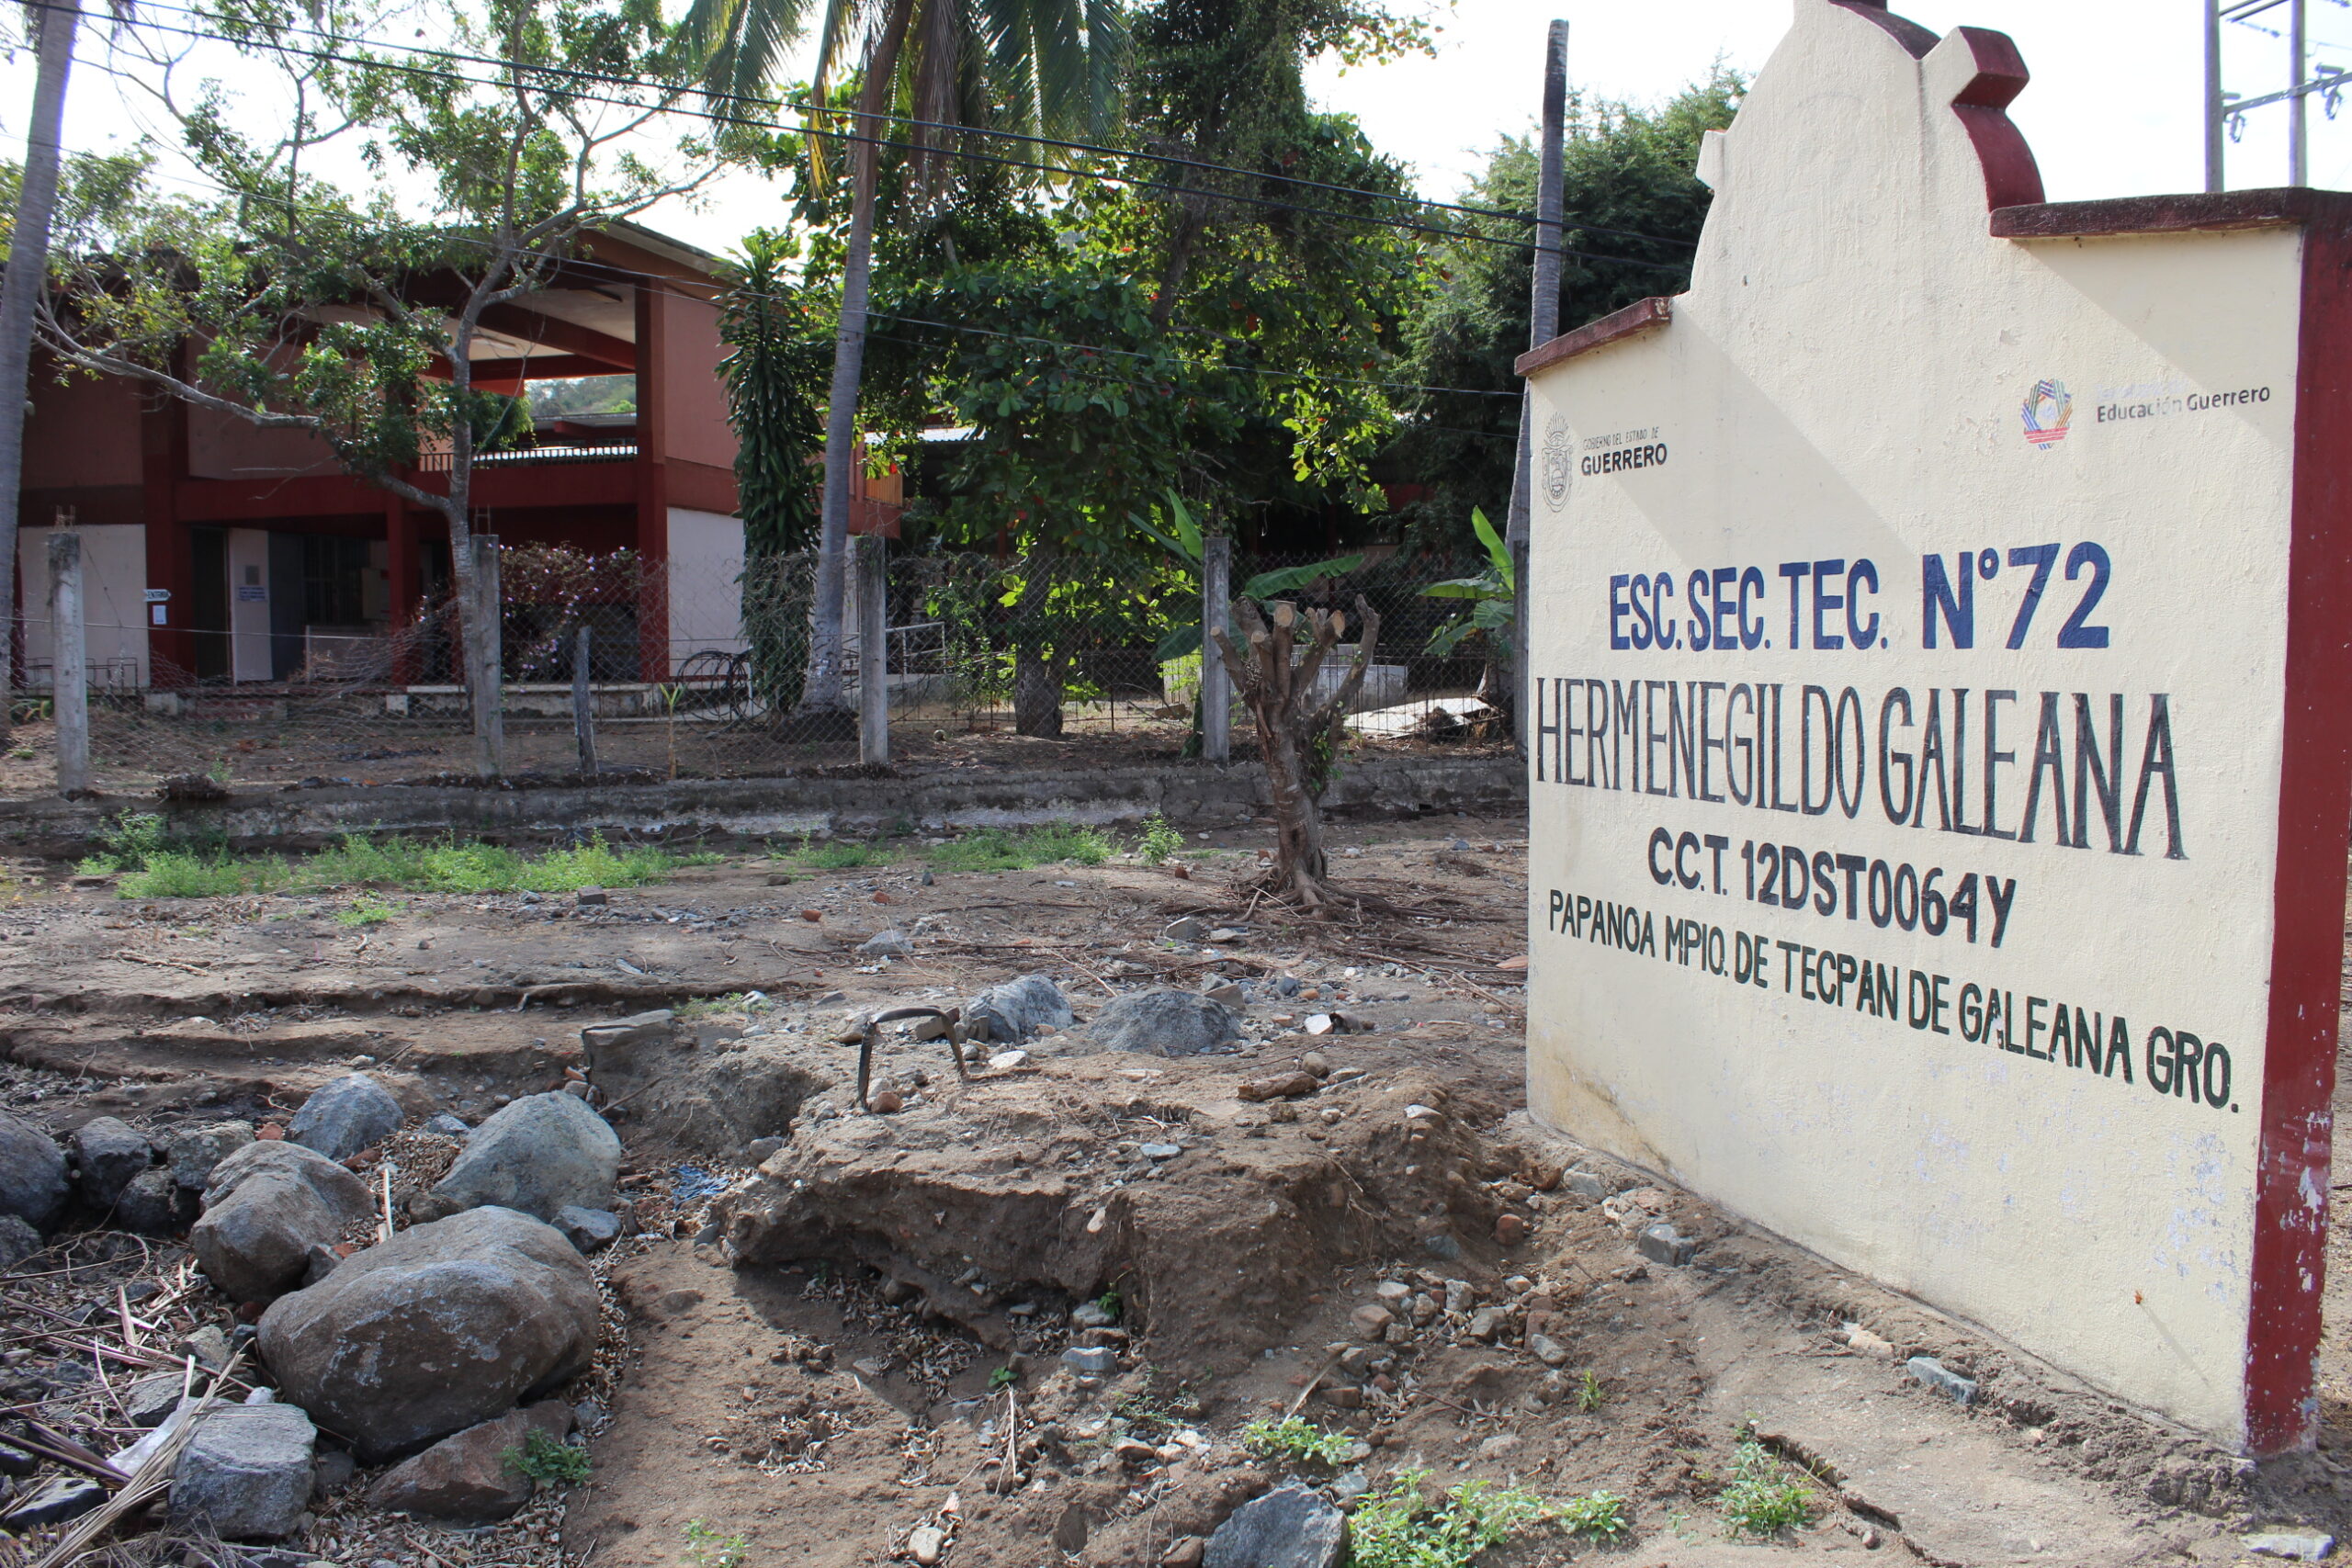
1288	1528
1016	1009
32	1173
245	1474
341	1118
108	1154
192	1152
447	1325
267	1206
539	1155
1163	1023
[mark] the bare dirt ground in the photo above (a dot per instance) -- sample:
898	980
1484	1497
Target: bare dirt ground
808	1354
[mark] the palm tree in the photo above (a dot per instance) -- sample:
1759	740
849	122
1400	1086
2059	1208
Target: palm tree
27	272
1041	67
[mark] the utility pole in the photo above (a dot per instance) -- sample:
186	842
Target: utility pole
2225	111
1542	326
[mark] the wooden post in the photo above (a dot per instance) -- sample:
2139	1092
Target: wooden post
584	706
489	681
1217	685
70	701
873	650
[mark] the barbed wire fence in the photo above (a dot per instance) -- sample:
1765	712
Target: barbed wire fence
615	670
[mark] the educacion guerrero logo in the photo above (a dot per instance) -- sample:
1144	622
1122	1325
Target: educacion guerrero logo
2047	412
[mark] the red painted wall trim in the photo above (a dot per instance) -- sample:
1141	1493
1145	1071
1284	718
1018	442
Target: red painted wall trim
1638	317
2171	214
1917	40
2315	795
2011	176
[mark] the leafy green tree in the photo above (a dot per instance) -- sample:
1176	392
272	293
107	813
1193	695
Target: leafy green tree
295	304
1043	66
1625	168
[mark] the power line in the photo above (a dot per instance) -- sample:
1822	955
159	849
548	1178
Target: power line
921	147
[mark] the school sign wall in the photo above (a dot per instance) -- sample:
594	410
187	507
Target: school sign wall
1939	725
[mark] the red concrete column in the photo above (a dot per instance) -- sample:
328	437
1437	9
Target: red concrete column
653	488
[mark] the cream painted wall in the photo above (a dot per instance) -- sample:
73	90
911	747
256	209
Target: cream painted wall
706	599
113	587
1843	383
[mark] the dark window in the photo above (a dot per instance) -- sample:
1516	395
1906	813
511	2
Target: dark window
333	580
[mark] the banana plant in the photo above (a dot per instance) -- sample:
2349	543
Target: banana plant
1183	540
1491	594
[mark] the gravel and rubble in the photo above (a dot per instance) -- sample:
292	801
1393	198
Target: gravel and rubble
1035	1307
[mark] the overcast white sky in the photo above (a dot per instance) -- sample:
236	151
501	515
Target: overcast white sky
2113	108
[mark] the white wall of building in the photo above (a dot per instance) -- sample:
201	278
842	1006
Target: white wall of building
706	597
114	589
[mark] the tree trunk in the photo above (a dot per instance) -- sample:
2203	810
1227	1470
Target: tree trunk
1037	693
822	693
28	274
1291	726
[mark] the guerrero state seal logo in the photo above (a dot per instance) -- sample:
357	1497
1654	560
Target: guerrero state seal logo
1558	461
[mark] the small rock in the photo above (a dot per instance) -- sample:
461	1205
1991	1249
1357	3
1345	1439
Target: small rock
1371	1321
1664	1243
1941	1379
1226	993
15	1461
1320	1023
449	1126
155	1204
1014	1010
246	1473
1510	1230
887	945
193	1151
1185	1553
580	1089
1135	1454
1005	1061
591	898
210	1347
1486	1325
2301	1547
1281	1086
588	1229
1090	1315
352	1113
1441	1244
150	1400
67	1497
1164	1023
1502	1445
1869	1344
1190	928
925	1544
1585	1184
601	1042
268	1204
1343	1396
108	1154
886	1102
32	1173
470	1477
759	1151
1161	1151
1094	1360
1546	1349
1388	1292
331	1472
1287	1527
19	1241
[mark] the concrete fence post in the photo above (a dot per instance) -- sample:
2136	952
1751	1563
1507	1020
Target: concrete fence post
584	706
1216	614
873	649
70	699
489	681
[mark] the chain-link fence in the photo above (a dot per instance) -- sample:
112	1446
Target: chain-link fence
701	669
